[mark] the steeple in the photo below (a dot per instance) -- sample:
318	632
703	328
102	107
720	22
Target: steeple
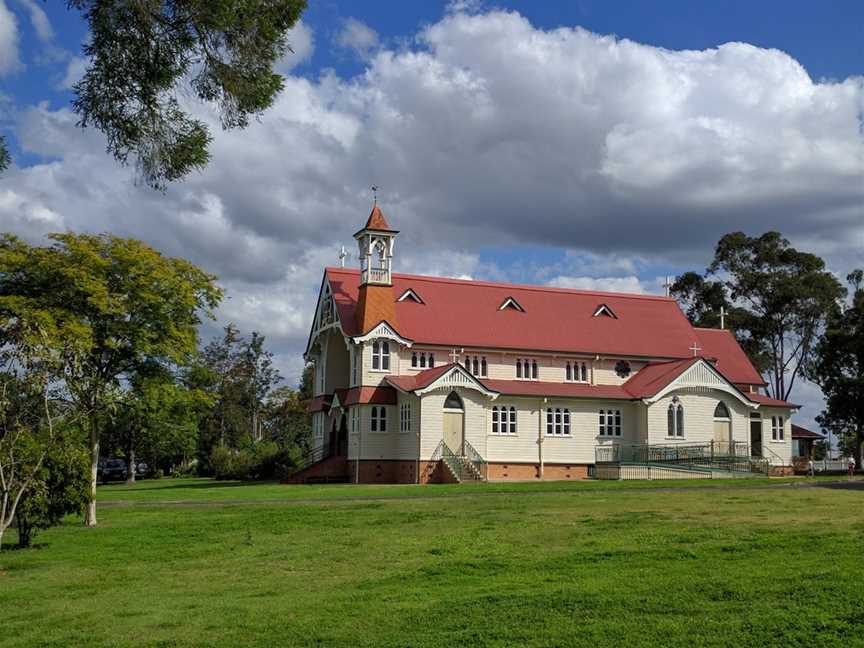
376	241
376	302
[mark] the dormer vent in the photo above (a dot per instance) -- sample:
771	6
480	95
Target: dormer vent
604	311
409	294
511	303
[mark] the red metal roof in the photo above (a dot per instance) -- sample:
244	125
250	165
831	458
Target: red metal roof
421	379
762	399
466	314
369	395
655	376
799	432
376	221
721	345
319	403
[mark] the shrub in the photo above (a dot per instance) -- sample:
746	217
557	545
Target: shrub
261	461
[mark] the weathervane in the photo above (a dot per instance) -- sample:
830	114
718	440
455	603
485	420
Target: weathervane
375	194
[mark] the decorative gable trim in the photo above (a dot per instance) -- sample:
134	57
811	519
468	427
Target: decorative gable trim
457	376
510	302
410	294
383	330
321	324
605	311
702	377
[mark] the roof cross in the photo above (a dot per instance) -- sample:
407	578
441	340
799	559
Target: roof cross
695	349
454	356
342	254
723	315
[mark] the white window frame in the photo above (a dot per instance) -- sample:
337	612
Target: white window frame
558	422
476	365
354	420
578	370
778	429
676	409
378	419
405	417
529	366
505	420
381	355
611	429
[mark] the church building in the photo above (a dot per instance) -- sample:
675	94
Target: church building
422	379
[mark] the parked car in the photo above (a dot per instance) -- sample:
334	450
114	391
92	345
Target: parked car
113	470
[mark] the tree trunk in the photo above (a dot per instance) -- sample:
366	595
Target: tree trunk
90	514
130	465
25	532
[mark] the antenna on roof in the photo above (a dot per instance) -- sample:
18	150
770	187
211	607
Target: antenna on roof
374	195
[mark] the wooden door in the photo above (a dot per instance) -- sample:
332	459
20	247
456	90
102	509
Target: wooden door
756	438
453	430
722	437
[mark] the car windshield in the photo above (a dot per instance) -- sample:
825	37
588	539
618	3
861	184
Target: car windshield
116	463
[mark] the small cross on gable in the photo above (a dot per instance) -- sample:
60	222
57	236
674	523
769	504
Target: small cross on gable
454	356
695	349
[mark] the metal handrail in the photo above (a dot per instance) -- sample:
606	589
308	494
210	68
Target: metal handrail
478	463
732	456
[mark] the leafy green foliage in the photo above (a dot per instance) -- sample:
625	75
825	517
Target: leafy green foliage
109	307
143	54
265	460
60	488
701	300
838	368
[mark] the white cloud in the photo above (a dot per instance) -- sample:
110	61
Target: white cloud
301	39
357	36
39	20
489	133
75	69
9	59
607	284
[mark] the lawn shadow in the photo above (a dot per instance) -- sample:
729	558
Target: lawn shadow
197	485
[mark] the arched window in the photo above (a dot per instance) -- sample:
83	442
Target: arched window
413	359
476	366
373	420
679	421
484	368
453	401
495	420
382	419
423	360
431	360
534	369
584	372
518	368
566	422
602	422
670	420
549	425
512	420
569	375
721	411
381	253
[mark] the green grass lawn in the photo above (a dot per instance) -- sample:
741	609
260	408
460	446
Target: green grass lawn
196	562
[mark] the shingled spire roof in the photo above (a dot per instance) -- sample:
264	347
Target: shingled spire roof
377	221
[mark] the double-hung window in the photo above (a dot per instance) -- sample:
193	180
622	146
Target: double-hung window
381	355
558	421
504	420
610	423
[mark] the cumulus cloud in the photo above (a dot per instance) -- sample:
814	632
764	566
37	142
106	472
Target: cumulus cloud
39	21
302	42
486	133
9	59
357	36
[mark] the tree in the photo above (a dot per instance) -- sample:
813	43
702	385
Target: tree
286	421
838	368
4	155
788	295
28	413
144	55
258	376
124	306
59	490
157	420
701	299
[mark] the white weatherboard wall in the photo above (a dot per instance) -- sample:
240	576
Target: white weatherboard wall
782	449
698	417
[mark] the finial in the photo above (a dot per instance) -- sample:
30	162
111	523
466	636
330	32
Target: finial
374	195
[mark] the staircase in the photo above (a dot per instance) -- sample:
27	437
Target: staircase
673	461
468	466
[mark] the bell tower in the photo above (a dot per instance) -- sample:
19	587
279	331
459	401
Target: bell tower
376	302
376	249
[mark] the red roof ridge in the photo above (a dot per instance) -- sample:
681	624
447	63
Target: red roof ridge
495	284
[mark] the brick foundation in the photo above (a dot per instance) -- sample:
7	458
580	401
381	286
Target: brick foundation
782	471
333	468
531	471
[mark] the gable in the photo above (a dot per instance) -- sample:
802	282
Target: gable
698	376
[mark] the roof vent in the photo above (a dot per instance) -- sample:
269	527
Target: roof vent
413	296
511	303
605	311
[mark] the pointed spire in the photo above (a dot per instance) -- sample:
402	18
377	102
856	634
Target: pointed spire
377	221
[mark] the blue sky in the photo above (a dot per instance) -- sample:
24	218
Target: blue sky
586	144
